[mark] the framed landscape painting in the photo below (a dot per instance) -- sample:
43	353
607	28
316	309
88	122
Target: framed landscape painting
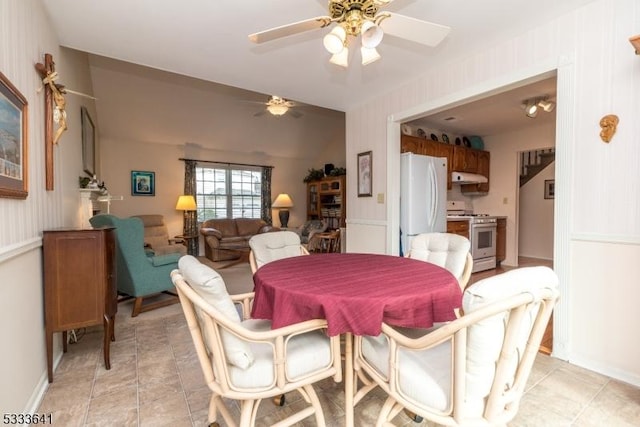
143	183
14	151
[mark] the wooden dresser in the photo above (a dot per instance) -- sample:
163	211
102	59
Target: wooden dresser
79	284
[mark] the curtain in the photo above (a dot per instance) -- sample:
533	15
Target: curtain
190	217
266	194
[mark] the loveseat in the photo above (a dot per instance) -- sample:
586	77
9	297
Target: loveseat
225	239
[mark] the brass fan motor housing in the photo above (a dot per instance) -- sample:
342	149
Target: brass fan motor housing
352	13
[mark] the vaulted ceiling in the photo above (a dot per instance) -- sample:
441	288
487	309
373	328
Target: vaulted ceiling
207	40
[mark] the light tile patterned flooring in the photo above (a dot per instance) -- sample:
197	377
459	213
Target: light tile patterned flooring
155	380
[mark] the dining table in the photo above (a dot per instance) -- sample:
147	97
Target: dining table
355	293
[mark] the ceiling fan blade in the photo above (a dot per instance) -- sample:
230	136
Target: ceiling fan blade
295	114
416	30
260	113
290	29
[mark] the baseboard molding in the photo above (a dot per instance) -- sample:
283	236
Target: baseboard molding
604	369
43	384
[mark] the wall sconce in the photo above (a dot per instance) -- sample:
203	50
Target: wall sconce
283	202
635	42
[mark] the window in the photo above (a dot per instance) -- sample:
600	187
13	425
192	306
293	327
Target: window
228	191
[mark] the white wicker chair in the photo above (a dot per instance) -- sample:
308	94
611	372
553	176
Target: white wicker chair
268	247
446	250
472	371
246	360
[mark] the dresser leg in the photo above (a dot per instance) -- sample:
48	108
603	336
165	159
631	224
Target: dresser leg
50	355
107	335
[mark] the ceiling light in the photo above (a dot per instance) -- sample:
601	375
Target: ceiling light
341	58
277	109
334	41
547	106
371	34
369	55
531	108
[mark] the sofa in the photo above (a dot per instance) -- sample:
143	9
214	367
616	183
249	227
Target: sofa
225	239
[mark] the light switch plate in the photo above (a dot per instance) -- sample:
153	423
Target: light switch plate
380	197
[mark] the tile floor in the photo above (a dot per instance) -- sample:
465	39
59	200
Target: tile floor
155	380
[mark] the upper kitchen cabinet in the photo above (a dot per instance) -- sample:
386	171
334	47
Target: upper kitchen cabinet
427	147
459	159
483	165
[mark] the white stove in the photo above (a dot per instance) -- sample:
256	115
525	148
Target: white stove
482	234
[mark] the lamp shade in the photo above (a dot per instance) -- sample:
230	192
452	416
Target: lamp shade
186	203
282	201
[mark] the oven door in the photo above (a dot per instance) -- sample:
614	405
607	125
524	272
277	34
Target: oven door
483	240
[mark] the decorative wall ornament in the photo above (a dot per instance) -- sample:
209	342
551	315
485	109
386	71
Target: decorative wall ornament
609	124
364	174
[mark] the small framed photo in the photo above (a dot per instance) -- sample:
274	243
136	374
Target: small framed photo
14	150
143	183
549	188
364	174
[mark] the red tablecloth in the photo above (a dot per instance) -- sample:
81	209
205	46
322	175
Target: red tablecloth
355	292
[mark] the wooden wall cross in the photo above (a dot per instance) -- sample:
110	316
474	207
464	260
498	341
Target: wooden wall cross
53	94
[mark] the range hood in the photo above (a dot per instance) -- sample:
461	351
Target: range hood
467	178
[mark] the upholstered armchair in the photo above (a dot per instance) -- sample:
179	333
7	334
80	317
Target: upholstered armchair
308	229
139	275
156	236
245	359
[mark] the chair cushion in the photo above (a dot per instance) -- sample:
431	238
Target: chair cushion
164	259
443	249
207	283
425	377
485	338
306	353
268	247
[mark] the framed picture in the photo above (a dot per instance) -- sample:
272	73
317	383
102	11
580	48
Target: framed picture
364	174
14	165
88	142
143	183
549	188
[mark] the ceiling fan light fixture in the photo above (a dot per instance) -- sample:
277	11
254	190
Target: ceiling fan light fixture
334	41
341	58
369	55
371	34
277	109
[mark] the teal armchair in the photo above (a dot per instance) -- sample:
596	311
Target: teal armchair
139	275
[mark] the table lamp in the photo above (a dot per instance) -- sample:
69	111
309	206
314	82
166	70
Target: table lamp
283	202
187	204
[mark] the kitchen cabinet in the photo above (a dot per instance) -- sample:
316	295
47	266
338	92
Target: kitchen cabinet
482	167
460	228
427	147
465	159
79	284
501	240
326	200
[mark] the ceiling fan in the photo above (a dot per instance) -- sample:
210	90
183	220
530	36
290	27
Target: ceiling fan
359	18
278	106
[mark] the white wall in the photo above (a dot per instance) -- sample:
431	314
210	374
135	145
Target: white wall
505	149
598	75
535	237
25	36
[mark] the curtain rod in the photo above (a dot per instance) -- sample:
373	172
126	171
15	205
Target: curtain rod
225	163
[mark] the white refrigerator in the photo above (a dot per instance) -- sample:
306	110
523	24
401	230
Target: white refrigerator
423	196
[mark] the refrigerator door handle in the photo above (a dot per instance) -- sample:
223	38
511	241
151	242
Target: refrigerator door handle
434	193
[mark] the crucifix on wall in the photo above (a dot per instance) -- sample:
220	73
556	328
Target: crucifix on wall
54	111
